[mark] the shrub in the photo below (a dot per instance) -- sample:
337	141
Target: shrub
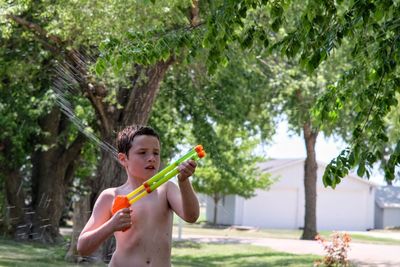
336	250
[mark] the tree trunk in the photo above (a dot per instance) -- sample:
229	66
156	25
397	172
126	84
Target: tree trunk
81	209
14	193
310	184
51	176
216	198
15	198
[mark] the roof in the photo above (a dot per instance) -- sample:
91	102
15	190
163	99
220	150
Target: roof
388	196
273	165
276	164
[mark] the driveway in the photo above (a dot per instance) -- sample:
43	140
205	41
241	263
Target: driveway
362	255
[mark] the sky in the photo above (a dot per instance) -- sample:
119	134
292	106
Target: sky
285	146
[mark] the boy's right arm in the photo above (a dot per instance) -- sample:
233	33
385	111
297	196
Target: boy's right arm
102	224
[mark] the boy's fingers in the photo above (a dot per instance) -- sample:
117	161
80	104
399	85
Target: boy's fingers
192	163
126	210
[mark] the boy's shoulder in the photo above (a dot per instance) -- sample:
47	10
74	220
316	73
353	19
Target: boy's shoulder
112	191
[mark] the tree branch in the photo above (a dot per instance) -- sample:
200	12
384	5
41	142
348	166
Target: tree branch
74	149
74	63
195	13
141	98
51	42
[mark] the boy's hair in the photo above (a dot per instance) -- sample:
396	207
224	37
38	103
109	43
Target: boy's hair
125	137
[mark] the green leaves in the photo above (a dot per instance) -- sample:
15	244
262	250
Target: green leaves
364	36
239	175
248	38
100	66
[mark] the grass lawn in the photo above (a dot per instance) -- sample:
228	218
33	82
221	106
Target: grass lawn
201	229
184	253
29	254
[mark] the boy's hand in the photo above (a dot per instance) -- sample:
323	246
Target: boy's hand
186	169
121	220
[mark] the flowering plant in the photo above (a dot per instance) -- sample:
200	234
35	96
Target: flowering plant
336	250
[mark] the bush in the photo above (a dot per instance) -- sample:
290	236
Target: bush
336	250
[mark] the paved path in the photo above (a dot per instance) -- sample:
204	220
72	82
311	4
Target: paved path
363	255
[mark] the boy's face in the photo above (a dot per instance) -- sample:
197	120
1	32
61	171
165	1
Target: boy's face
144	157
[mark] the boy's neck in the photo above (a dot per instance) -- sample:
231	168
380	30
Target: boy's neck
133	182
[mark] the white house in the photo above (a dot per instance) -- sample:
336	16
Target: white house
348	207
387	207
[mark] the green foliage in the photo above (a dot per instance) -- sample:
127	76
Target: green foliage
239	175
372	30
224	113
222	22
141	34
144	33
24	97
144	48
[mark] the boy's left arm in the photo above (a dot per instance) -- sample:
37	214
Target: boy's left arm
185	202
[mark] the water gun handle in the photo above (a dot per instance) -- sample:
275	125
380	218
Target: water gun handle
120	202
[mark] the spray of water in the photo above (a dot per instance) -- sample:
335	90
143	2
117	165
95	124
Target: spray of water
66	85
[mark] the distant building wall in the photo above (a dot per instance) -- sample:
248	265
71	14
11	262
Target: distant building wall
225	210
391	217
350	206
378	217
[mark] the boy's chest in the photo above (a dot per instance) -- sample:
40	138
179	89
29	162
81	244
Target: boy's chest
153	207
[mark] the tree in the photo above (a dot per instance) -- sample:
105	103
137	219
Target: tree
318	29
31	160
66	35
293	95
226	114
218	183
292	92
372	31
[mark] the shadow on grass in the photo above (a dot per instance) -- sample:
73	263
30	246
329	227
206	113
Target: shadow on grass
8	262
186	244
196	242
13	253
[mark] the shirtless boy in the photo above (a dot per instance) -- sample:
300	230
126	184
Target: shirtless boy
147	242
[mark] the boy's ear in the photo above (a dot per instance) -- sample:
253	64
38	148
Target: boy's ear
122	158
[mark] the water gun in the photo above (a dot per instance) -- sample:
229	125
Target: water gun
125	201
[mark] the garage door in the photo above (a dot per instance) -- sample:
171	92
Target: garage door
272	209
341	210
